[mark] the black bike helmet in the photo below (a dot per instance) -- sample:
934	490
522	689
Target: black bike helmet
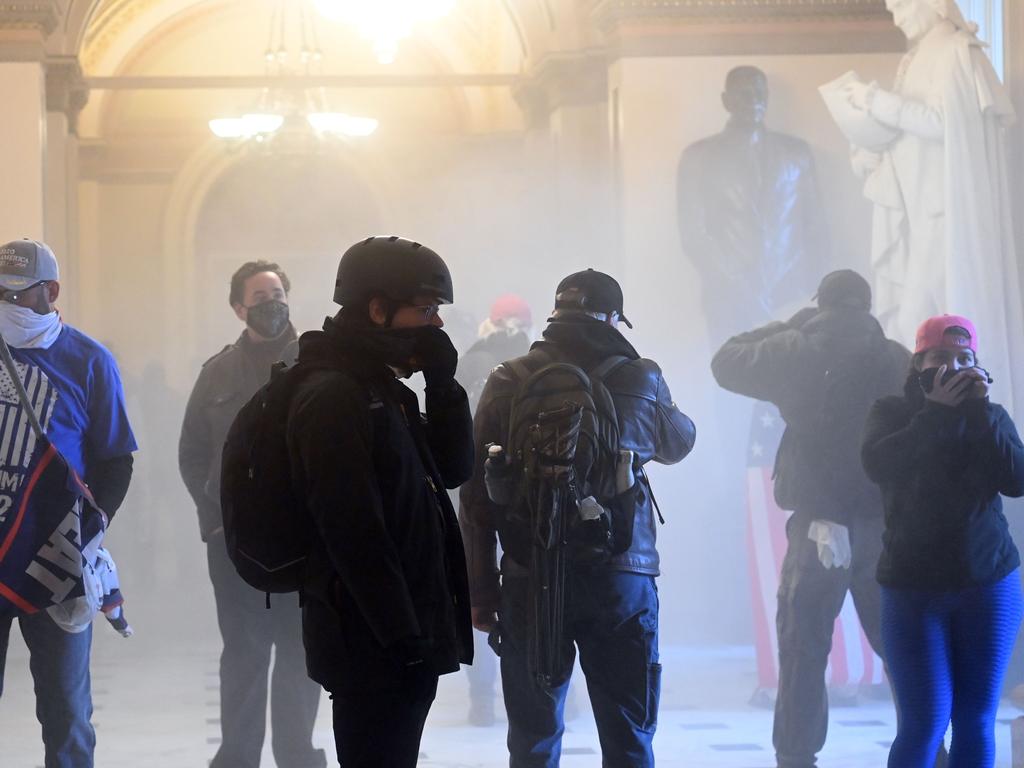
394	266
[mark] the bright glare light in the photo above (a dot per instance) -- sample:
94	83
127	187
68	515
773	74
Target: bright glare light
262	122
337	122
384	22
246	126
227	128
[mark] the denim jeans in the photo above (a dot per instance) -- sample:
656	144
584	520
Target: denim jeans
59	662
612	619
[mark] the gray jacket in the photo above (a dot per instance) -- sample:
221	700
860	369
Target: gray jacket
226	382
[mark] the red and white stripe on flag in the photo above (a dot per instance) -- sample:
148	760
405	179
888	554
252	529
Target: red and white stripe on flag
852	660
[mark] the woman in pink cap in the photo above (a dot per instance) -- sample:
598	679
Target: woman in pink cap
943	454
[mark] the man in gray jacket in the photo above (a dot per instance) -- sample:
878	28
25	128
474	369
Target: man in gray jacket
259	298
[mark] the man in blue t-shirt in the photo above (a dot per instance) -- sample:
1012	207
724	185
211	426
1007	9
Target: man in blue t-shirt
77	394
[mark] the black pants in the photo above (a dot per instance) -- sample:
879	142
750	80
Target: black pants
249	632
810	598
381	728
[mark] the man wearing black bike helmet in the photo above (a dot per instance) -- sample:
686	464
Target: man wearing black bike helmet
386	600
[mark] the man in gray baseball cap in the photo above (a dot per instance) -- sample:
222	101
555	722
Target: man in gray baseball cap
86	420
26	263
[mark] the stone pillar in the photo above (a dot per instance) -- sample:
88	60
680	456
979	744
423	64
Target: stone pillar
24	27
1014	30
565	100
66	96
22	149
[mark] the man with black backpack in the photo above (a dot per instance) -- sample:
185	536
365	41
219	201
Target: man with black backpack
386	601
823	369
561	437
259	297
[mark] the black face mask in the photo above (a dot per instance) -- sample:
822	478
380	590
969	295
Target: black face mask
269	319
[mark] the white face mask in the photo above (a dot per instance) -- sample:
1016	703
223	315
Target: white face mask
25	328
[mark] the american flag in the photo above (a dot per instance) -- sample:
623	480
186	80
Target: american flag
852	660
49	535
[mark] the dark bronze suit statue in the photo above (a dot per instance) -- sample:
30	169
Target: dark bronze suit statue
750	217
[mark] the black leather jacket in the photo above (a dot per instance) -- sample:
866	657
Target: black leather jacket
650	425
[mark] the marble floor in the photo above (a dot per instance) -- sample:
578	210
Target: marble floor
159	709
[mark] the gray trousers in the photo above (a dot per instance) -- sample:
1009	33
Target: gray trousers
810	598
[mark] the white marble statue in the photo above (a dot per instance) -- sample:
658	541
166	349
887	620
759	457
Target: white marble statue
942	234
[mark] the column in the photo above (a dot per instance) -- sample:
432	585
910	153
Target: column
23	32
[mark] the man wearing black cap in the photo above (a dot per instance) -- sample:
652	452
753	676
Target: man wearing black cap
823	369
611	604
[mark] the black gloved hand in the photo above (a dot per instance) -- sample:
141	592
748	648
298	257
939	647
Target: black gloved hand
436	356
409	651
801	317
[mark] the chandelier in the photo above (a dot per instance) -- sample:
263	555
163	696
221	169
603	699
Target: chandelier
292	117
385	23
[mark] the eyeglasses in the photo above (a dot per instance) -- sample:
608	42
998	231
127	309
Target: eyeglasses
12	296
429	310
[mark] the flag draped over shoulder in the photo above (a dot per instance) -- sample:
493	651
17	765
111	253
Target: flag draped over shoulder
49	528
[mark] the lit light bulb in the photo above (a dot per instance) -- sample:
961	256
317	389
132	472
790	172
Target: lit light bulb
384	22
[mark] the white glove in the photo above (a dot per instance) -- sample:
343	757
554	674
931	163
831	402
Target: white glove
833	542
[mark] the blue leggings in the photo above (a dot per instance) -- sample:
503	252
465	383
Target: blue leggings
947	653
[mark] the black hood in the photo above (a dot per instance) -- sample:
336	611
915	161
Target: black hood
586	340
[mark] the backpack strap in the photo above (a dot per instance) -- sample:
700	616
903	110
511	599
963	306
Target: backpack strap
607	367
521	371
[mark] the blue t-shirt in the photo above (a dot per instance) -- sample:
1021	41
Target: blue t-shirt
78	397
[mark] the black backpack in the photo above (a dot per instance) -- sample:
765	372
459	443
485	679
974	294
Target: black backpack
266	526
563	429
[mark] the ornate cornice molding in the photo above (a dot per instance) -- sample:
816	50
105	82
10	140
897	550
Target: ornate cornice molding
745	27
608	12
560	80
66	90
41	15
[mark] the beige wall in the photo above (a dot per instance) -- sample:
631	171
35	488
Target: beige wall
23	126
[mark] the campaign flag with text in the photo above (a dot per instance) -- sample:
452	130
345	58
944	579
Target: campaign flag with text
49	529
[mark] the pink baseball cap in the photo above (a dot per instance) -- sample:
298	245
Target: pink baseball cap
934	332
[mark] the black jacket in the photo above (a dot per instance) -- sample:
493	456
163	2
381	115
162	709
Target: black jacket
942	471
788	364
387	573
226	382
650	425
484	356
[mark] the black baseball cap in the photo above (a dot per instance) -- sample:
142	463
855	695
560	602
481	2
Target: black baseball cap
844	287
591	291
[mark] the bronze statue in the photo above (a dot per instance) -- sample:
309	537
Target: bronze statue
750	217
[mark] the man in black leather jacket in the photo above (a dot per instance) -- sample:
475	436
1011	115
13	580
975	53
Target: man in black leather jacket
823	369
611	609
386	601
259	297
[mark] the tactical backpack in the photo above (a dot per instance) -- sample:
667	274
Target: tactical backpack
562	448
563	429
266	526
